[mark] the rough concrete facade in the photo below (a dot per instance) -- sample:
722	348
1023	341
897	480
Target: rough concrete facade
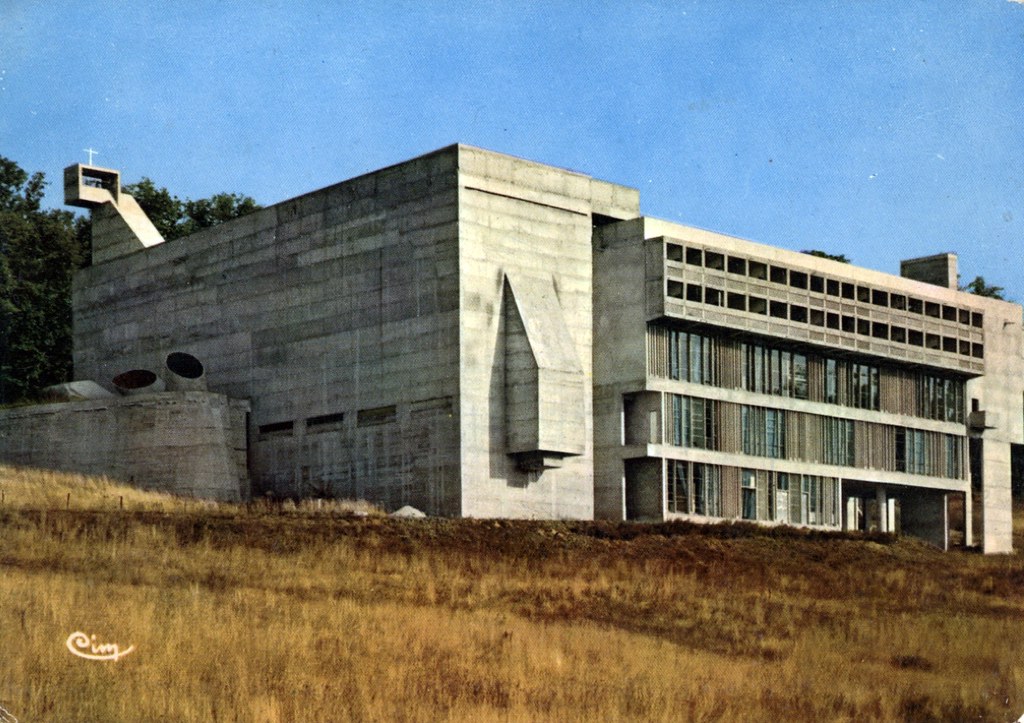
187	443
417	336
475	334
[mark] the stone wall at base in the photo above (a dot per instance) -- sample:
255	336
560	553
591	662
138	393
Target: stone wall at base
184	443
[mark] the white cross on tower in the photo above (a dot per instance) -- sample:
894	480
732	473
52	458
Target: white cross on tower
91	153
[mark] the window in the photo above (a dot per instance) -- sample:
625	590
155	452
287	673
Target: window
749	502
763	431
774	371
864	386
693	422
691	357
940	399
837	444
276	428
737	265
707	490
781	513
678	486
954	457
831	381
376	415
325	422
694	488
911	451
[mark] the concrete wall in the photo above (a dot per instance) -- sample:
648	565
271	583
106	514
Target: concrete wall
534	222
334	303
999	395
620	356
186	443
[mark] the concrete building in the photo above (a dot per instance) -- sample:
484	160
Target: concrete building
479	335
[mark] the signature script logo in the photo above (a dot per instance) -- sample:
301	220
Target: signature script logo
85	646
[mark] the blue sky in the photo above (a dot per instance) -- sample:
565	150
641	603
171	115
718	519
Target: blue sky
881	130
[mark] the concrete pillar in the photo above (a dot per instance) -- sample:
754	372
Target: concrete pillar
996	505
968	518
883	509
850	523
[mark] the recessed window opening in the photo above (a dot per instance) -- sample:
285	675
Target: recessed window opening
757	305
798	313
949	344
675	289
847	291
898	333
949	313
932	309
879	330
673	252
879	298
713	296
817	284
695	292
817	317
964	316
832	320
325	419
758	270
849	324
915	338
277	428
778	275
798	279
777	309
694	257
965	347
376	415
737	301
832	287
863	327
976	319
863	294
898	301
915	306
932	341
714	260
737	265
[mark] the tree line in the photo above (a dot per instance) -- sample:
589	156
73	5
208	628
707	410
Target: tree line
40	250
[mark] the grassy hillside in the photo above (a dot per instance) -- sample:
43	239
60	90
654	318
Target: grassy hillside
273	614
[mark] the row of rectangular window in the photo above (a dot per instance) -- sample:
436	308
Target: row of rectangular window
694	357
813	282
326	422
699	489
830	320
695	424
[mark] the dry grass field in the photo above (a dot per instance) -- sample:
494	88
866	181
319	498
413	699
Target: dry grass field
316	614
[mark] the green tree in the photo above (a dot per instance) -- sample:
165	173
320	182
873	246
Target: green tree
841	258
39	252
980	288
175	218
